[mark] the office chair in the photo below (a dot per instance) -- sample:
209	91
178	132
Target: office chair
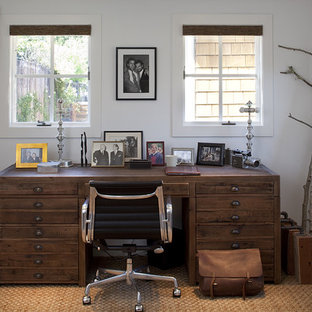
127	210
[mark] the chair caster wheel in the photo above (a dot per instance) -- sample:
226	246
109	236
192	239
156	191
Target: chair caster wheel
86	300
138	308
97	279
177	293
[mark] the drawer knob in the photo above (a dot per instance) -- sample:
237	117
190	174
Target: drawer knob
235	246
235	231
38	219
38	204
38	275
234	188
235	203
38	261
38	232
38	247
235	218
38	189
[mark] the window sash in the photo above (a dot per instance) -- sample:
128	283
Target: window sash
190	105
52	78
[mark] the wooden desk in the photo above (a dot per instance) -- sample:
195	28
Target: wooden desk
223	208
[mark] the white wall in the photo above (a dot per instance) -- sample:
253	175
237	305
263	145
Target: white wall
148	23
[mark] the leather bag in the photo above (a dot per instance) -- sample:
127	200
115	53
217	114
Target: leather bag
230	272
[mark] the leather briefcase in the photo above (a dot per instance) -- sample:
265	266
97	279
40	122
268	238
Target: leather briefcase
230	272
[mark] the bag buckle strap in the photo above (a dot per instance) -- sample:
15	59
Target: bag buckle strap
247	280
212	284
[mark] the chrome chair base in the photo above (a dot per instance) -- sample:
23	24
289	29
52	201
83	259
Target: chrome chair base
129	276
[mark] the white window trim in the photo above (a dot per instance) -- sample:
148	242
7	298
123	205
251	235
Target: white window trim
180	128
94	128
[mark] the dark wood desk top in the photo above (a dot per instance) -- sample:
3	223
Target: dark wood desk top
81	173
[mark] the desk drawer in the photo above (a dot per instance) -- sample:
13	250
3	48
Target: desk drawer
243	243
37	231
40	203
38	188
177	189
233	231
18	216
233	215
36	275
250	203
39	261
234	188
32	246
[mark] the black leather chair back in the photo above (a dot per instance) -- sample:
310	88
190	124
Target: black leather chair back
126	218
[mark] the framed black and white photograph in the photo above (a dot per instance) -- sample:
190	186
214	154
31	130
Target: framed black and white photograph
135	73
107	154
133	142
29	155
185	155
210	154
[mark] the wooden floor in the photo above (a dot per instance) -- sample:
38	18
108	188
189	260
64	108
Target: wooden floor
156	296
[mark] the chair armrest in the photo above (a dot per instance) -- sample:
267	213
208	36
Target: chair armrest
85	221
169	218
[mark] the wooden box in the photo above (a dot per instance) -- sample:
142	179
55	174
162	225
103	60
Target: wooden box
303	258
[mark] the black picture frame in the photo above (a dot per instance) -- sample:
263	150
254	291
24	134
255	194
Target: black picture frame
130	83
133	141
210	154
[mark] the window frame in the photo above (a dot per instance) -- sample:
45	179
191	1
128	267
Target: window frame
182	128
52	77
190	104
31	130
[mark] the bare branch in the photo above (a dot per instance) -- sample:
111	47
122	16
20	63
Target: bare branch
295	49
292	71
303	122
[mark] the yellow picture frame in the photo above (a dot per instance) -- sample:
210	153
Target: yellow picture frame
29	155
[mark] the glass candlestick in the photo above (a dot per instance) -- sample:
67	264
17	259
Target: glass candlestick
60	137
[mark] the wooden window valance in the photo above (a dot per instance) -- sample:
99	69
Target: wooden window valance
222	30
49	30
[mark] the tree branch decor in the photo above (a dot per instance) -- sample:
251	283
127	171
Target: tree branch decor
307	200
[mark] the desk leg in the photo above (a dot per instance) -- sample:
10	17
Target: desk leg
190	231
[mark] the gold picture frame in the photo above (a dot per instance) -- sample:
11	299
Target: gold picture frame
29	155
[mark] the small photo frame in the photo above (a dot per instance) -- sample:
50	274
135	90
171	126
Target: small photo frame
185	155
133	141
210	154
29	155
135	73
155	152
108	154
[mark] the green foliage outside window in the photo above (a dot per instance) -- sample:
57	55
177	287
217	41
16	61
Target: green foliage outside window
33	58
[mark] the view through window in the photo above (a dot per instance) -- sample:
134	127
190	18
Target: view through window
222	73
46	68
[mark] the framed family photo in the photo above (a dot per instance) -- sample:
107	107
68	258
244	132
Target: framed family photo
155	152
135	73
31	154
107	154
133	142
210	154
185	155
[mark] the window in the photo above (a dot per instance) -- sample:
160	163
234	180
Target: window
49	63
226	61
222	72
78	82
